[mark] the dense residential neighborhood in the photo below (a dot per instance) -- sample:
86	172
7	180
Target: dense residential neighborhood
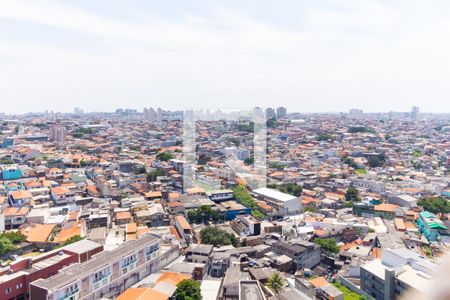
97	205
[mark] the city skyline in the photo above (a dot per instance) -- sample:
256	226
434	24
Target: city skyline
309	57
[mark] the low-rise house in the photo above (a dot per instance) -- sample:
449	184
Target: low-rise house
199	253
62	195
15	216
304	254
20	198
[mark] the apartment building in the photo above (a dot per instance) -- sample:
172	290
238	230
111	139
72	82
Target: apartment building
398	270
107	274
15	280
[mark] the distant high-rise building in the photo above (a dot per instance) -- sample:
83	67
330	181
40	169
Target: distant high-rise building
415	112
355	112
57	133
152	115
270	113
78	111
281	112
146	114
159	115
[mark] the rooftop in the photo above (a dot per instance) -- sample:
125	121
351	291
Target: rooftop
274	194
74	272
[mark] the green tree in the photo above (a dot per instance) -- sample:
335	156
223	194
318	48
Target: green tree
203	214
288	188
151	176
352	194
71	240
188	289
276	282
241	194
249	161
435	204
376	161
324	137
329	245
164	156
216	236
14	236
140	170
349	294
6	161
6	246
349	161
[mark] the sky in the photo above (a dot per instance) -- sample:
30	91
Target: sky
310	56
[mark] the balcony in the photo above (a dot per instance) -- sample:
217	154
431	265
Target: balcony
69	294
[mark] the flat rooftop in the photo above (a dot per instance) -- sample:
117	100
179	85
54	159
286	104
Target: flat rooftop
274	194
77	271
250	291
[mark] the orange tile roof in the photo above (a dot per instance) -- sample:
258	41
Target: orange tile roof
194	190
20	194
69	230
153	194
173	277
263	205
16	211
174	195
121	215
399	224
60	190
276	174
143	230
131	236
319	282
131	228
184	224
174	232
92	188
73	216
410	225
386	207
321	232
174	204
142	294
308	200
38	233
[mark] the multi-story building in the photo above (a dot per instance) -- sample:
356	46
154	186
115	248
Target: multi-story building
9	172
281	112
304	254
404	200
371	185
62	195
270	113
398	270
15	280
430	226
57	133
199	253
221	195
106	274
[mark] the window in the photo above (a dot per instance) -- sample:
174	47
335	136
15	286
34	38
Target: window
19	286
8	290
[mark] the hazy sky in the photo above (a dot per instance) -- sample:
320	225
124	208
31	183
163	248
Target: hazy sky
306	55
